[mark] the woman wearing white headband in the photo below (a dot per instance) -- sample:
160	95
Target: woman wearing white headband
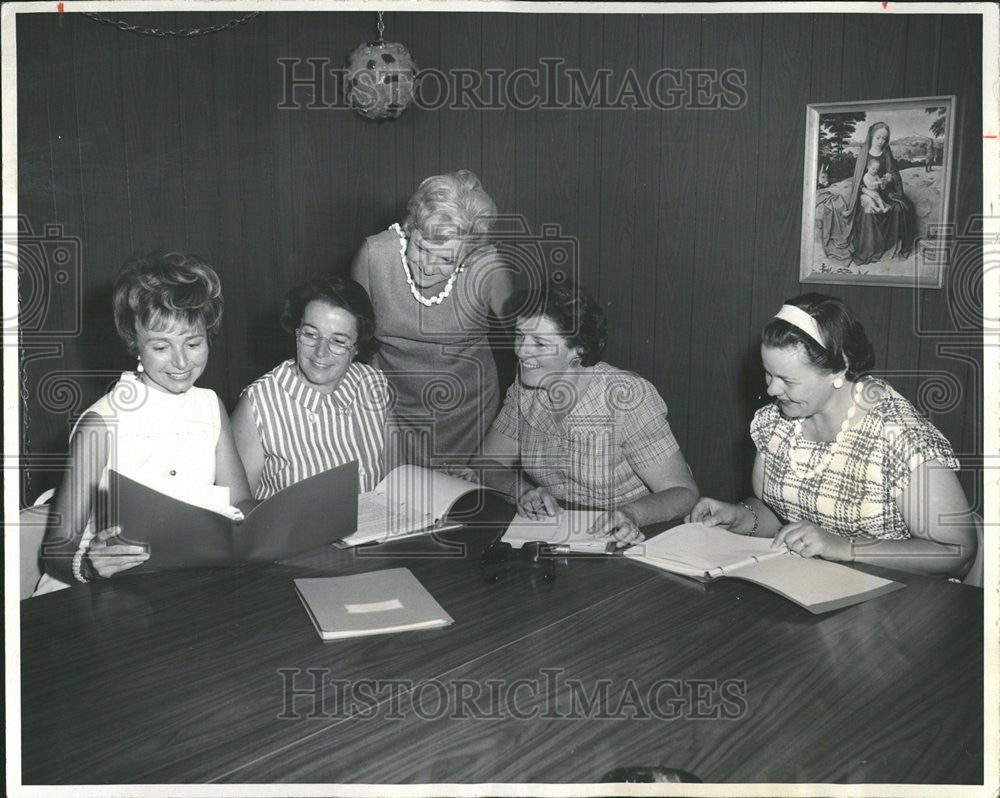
846	468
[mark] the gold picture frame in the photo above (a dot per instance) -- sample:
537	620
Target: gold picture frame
883	221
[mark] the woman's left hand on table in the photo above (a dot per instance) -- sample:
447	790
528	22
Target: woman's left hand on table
809	540
618	526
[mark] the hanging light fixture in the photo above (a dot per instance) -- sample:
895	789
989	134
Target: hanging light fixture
380	78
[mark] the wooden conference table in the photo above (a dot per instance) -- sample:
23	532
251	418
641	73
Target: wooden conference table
218	676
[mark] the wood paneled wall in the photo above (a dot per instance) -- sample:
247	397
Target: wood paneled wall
687	221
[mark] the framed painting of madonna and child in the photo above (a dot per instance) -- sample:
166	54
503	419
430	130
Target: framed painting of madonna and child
877	186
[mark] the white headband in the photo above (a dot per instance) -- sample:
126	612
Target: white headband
797	317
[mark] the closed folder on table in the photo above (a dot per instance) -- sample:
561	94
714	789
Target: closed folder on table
182	534
373	603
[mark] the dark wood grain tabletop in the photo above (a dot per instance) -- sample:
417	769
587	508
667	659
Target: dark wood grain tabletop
218	676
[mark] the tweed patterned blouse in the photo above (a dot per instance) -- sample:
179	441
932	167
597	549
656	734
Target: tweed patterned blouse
858	478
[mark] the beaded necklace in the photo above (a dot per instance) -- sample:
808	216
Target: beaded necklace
426	301
799	457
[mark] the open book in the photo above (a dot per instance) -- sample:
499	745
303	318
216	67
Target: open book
369	604
411	500
185	534
566	532
710	552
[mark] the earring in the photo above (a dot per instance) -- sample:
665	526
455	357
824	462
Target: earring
576	361
838	383
139	367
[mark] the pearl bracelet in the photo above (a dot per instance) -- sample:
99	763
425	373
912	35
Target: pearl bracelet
81	552
78	565
756	519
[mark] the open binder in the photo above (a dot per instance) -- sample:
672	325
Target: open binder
708	553
181	534
411	500
565	532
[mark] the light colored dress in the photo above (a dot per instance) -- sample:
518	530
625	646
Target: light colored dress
857	480
305	432
437	359
163	440
591	457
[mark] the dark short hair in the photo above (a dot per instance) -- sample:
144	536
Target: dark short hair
159	289
339	292
575	313
847	346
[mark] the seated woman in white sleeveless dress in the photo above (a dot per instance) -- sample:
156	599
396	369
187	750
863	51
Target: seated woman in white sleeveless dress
153	426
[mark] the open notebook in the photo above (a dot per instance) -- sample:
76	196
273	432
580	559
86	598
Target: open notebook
187	529
410	501
710	553
566	532
374	603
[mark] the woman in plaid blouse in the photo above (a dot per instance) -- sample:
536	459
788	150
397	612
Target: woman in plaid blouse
846	468
574	431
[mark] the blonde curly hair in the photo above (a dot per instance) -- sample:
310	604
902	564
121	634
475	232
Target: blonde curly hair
451	206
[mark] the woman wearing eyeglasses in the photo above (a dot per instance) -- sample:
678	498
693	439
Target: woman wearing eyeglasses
322	408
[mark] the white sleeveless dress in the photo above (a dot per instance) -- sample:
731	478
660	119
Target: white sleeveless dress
164	440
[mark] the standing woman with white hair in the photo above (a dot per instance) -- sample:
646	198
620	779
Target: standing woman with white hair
434	281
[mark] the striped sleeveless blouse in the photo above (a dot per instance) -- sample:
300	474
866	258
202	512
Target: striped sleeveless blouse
305	432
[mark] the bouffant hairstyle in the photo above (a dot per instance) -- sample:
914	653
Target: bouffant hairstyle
162	289
575	313
847	347
451	206
338	292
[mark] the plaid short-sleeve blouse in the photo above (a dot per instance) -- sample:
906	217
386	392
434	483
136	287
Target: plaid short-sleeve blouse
591	456
855	492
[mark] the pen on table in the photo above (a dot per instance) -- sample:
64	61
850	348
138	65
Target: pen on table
566	549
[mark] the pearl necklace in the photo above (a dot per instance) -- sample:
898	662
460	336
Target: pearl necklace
799	458
426	301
